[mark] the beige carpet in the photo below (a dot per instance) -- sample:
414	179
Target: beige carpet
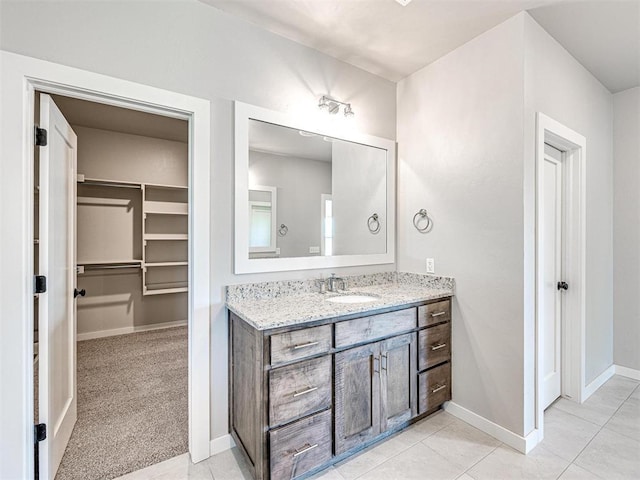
132	404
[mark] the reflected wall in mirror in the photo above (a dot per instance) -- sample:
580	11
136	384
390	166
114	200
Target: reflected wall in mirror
307	198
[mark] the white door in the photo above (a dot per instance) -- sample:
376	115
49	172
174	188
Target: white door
57	311
551	251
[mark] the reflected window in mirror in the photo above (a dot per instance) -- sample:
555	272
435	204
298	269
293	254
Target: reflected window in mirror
262	221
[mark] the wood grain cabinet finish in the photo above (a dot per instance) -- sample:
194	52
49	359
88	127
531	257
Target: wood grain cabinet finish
299	389
435	388
375	390
298	344
304	398
374	327
398	381
357	394
301	446
435	345
432	313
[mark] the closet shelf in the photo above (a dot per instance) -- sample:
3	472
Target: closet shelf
112	262
167	208
100	182
162	291
167	187
166	264
158	212
162	288
166	236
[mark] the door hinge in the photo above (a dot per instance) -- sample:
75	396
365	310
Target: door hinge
40	432
41	137
39	284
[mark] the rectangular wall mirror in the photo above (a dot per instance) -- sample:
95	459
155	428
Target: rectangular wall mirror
308	197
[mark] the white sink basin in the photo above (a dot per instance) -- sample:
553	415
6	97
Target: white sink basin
352	299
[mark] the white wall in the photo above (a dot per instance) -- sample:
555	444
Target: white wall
188	47
626	228
460	157
300	182
561	88
466	130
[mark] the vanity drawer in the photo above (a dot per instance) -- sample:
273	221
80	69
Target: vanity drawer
299	344
373	327
301	446
434	313
434	345
434	387
299	389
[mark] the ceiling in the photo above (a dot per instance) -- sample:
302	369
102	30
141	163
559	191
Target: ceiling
284	141
392	41
106	117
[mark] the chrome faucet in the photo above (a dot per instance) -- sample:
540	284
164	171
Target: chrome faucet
332	283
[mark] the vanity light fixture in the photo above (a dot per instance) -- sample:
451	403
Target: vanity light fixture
333	106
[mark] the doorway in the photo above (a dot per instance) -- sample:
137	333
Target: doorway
113	368
560	265
22	76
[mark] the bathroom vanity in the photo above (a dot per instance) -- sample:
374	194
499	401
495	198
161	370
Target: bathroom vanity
313	381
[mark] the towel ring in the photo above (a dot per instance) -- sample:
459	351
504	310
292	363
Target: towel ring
283	230
421	215
373	223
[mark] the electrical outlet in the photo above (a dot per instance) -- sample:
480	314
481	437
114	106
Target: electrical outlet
314	249
431	265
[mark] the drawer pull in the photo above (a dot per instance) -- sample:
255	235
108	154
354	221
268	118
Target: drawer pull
305	449
438	347
438	314
304	392
438	388
305	345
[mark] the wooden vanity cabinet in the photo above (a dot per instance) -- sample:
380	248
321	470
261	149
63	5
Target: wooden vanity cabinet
375	390
434	355
306	397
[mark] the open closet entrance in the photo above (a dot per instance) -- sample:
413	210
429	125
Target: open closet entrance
111	212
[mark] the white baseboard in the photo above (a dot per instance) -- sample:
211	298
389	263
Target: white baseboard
518	442
125	330
627	372
598	382
221	444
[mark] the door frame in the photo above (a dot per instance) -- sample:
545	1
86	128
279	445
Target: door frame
21	76
574	148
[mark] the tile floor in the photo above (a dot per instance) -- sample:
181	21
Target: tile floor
599	439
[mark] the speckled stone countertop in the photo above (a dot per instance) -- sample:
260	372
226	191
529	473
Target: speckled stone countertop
277	304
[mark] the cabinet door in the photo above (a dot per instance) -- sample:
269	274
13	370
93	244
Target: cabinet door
357	396
398	380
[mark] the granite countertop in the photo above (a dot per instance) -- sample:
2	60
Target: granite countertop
277	304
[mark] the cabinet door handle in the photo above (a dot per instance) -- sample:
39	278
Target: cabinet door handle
305	449
438	388
384	362
304	392
305	345
376	365
437	314
439	346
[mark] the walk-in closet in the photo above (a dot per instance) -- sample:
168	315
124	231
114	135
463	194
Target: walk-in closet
132	242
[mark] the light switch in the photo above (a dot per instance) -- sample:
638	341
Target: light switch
431	265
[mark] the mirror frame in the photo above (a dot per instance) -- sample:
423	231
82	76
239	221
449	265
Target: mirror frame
243	264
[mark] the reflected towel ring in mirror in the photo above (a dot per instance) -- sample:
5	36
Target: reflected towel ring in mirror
373	223
422	215
282	231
